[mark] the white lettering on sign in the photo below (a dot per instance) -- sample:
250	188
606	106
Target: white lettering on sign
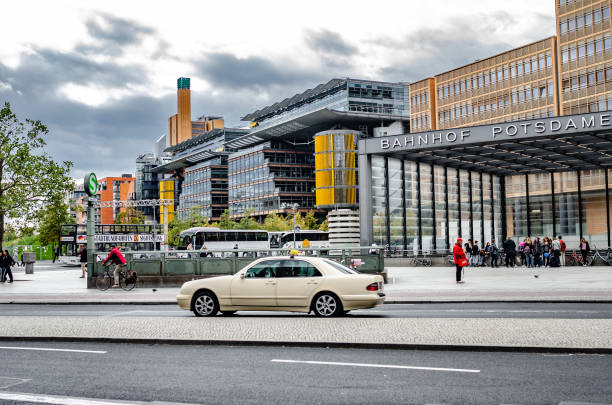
479	134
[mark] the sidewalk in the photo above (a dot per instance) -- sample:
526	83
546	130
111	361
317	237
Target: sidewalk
55	284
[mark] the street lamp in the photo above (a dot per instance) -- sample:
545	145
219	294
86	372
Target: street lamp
294	208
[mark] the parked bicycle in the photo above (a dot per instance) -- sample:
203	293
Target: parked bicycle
575	259
127	279
606	257
417	260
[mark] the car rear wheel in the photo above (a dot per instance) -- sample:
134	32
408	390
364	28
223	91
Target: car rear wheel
205	304
327	304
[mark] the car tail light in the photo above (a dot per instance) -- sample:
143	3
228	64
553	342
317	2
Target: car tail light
372	287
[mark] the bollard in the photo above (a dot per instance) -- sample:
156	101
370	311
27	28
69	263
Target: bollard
29	258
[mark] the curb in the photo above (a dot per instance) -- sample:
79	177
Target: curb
389	302
334	345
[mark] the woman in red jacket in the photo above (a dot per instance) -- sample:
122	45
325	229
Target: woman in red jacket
459	259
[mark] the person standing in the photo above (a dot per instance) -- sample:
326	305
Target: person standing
493	253
55	253
584	250
562	250
510	249
83	260
545	252
118	260
475	256
537	252
459	259
468	251
6	261
556	252
528	251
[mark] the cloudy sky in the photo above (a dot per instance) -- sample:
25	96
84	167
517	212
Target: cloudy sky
102	75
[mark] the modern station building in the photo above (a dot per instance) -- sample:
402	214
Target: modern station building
514	145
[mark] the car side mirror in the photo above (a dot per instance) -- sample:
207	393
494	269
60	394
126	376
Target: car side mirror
242	276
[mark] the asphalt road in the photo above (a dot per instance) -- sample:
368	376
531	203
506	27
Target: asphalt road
455	310
253	375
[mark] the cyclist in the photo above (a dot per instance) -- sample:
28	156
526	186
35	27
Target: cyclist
118	260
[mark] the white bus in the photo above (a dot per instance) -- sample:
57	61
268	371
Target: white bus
223	239
294	240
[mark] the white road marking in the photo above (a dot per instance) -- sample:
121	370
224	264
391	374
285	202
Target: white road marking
15	381
63	400
48	349
332	363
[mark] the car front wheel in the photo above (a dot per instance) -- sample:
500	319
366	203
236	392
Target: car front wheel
205	304
327	304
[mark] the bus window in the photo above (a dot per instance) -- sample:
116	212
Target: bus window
199	240
261	236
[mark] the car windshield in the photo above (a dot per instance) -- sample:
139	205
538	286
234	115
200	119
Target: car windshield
340	267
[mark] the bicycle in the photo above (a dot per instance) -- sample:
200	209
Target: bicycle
607	259
127	280
420	261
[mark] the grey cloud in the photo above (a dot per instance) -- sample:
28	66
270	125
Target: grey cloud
329	43
112	34
229	71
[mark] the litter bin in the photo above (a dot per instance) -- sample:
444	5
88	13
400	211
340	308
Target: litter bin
29	258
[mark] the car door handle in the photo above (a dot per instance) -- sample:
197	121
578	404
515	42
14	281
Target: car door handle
270	282
312	282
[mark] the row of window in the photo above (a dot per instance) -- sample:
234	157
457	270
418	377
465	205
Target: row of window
590	47
271	203
420	122
522	94
587	19
583	79
376	108
247	162
203	187
270	187
375	92
502	73
420	98
563	3
589	106
202	201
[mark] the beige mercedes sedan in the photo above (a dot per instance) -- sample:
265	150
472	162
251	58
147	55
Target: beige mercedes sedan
298	284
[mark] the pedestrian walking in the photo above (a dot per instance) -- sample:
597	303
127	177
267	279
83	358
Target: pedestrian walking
562	250
6	261
460	260
55	253
584	250
510	249
83	260
236	249
21	263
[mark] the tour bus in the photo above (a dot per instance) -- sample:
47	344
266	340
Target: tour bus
223	239
131	237
295	239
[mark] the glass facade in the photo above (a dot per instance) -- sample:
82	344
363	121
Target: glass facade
205	189
423	207
265	176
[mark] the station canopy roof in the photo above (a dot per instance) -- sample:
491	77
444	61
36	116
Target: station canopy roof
573	142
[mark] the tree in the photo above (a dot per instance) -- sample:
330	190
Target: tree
29	177
246	222
226	221
49	220
177	225
276	223
130	216
307	222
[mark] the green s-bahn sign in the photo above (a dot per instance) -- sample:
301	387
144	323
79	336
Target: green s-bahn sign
90	184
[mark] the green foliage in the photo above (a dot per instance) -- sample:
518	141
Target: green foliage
247	222
226	221
29	177
324	226
307	222
177	225
130	216
276	223
50	219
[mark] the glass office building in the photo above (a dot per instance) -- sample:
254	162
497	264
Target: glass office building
264	177
204	189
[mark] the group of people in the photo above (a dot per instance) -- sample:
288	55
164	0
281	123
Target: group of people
6	262
545	252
